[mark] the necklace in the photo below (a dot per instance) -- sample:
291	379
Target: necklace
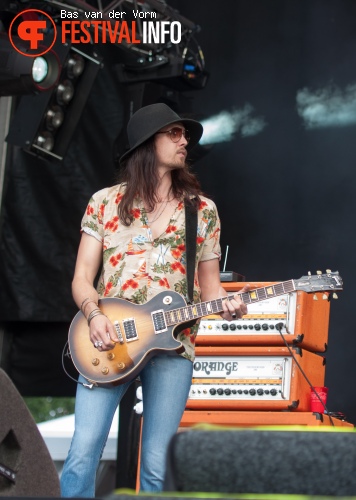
159	215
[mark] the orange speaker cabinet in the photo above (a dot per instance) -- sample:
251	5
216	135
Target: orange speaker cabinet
254	378
305	319
259	418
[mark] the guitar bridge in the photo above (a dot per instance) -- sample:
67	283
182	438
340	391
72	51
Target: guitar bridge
159	322
130	329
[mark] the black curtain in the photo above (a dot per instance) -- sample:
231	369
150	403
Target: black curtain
43	204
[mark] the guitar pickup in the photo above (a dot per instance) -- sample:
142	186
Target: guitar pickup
159	321
130	329
118	332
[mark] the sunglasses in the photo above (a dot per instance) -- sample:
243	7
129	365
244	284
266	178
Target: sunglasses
176	134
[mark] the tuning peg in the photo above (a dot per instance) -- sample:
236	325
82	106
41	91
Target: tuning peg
335	296
315	297
319	272
328	271
325	296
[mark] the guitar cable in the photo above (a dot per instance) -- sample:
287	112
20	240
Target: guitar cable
279	327
68	355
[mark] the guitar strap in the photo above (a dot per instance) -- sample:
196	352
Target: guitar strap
191	224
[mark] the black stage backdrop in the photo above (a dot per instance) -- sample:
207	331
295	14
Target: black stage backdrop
284	72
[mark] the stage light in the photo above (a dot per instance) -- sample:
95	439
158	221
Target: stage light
75	65
177	62
44	124
39	69
54	118
44	141
64	92
21	74
170	70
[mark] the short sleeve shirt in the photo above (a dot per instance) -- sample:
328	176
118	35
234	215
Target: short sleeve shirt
136	267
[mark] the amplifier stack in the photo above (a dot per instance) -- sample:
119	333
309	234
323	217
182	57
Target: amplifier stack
259	369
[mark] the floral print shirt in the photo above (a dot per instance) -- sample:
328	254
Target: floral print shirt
136	267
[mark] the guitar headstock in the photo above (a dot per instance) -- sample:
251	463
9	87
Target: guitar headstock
328	282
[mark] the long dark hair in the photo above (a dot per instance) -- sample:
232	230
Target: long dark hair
140	175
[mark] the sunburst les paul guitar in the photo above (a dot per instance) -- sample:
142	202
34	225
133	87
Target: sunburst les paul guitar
149	329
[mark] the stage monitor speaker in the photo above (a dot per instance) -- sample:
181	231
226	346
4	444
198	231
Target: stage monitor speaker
26	467
263	461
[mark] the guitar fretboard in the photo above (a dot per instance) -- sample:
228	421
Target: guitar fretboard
195	311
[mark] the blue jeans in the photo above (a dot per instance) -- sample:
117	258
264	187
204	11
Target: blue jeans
165	382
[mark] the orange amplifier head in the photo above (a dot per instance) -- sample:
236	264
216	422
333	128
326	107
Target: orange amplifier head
254	378
305	320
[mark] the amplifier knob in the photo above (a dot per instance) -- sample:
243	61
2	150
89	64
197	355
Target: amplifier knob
233	391
250	327
220	392
225	326
239	391
227	392
212	391
244	327
239	327
265	326
271	327
273	392
266	391
252	392
260	392
257	326
245	391
232	326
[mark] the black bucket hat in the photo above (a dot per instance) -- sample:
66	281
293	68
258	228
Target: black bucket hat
147	121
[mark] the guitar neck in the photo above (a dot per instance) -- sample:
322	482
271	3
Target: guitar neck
196	311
